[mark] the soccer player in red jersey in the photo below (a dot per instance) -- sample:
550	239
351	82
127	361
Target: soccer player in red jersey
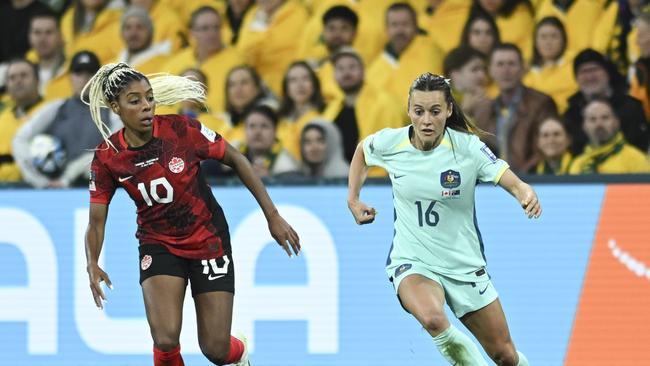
182	230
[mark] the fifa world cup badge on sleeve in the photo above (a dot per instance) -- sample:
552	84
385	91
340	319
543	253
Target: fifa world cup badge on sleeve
208	133
450	179
486	150
91	182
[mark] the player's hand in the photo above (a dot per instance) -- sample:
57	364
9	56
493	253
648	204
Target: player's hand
284	234
363	214
530	202
97	275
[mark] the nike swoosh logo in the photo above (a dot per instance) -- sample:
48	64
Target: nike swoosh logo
125	178
485	289
398	176
211	277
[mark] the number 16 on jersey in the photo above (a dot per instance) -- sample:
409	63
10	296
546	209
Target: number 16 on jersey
428	215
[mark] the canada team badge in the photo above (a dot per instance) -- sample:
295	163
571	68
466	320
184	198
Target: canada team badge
145	262
176	165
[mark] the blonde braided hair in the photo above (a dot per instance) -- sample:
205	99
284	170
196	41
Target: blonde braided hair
111	79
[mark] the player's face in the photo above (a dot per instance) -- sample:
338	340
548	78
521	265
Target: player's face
549	42
44	37
481	36
600	123
136	35
428	111
401	28
22	84
260	132
338	33
299	85
241	88
348	73
506	69
314	146
553	140
136	107
471	76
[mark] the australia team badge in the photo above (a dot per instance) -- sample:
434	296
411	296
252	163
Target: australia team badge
450	179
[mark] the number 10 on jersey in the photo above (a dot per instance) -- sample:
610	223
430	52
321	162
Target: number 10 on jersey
428	215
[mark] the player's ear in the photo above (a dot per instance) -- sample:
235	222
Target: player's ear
450	110
115	107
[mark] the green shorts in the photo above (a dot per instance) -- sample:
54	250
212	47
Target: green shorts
463	297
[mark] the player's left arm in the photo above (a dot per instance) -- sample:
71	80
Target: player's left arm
281	231
523	192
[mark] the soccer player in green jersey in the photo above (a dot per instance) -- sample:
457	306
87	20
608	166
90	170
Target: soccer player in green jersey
437	253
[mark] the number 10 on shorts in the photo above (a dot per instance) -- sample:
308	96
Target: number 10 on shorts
217	272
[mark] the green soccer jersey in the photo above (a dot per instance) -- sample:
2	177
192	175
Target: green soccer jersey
433	196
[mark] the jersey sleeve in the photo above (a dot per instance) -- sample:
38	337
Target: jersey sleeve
208	144
489	167
375	146
101	186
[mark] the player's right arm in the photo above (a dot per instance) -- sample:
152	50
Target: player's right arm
363	214
94	241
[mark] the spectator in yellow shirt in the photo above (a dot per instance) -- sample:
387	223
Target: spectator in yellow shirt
408	54
208	53
137	35
266	153
169	26
553	143
466	68
363	109
480	33
244	90
515	21
579	17
551	69
607	151
339	30
268	38
92	25
302	102
640	72
47	51
22	88
443	20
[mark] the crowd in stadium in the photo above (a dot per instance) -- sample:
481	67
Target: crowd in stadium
556	86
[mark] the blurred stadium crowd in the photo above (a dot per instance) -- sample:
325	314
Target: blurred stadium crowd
557	86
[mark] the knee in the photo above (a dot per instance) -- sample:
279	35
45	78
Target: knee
505	355
434	322
166	344
217	351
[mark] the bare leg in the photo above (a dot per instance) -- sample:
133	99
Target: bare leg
425	300
214	318
489	326
163	300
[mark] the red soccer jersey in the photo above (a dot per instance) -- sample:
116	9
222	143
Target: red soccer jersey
175	205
